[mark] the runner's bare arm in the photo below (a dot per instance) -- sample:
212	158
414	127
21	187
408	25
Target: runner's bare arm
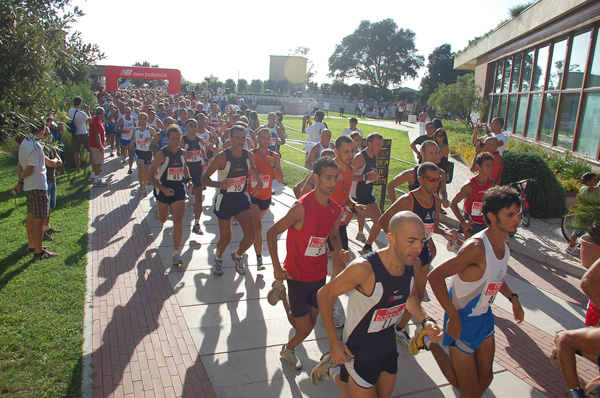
294	217
277	170
159	159
400	179
590	283
518	312
413	305
464	192
443	192
404	203
336	242
308	163
442	230
154	144
218	163
254	173
357	163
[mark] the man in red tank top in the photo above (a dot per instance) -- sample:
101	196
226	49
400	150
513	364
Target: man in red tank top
473	222
309	222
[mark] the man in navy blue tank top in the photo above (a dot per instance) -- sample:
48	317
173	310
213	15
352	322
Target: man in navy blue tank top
381	286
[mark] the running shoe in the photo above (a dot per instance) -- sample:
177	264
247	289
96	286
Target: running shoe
47	237
124	160
592	388
321	371
130	171
191	198
259	263
218	270
417	343
338	314
240	267
452	245
426	298
573	251
234	221
156	215
44	255
52	230
276	289
177	261
361	237
111	155
554	355
402	335
100	183
575	393
197	229
366	249
290	357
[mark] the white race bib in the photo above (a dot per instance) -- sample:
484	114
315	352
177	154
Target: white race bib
175	174
476	209
316	246
142	145
370	173
237	184
491	291
385	317
196	156
429	228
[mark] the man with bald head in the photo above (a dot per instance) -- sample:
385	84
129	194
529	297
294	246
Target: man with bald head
490	145
380	285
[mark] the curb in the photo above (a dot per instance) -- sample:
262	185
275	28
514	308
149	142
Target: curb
549	260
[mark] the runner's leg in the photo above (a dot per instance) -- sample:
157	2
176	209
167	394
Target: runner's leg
247	223
374	213
224	236
178	210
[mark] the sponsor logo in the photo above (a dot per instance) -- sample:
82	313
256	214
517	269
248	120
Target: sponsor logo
394	298
126	72
387	313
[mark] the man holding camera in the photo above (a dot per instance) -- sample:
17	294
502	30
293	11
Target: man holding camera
313	131
488	144
80	136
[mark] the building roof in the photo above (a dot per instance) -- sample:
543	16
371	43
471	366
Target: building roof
538	15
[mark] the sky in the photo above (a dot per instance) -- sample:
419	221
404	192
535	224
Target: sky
235	39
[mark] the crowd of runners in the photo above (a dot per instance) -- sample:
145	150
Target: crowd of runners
179	142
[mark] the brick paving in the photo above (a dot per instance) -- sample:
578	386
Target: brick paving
142	346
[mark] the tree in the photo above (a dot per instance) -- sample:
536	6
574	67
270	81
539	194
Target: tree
378	53
212	82
440	70
242	85
256	86
460	99
230	84
303	51
37	56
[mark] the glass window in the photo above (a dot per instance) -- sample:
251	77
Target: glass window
557	65
539	74
548	117
589	132
566	120
510	115
521	113
506	81
502	109
527	69
594	77
491	107
534	115
516	74
499	73
577	63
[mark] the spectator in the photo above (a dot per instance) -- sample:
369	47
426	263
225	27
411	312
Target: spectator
31	172
357	140
342	107
353	123
441	160
80	137
52	162
313	131
96	143
489	145
326	107
422	119
495	130
400	112
430	129
56	130
590	181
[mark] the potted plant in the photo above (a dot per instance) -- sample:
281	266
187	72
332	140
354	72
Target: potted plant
585	215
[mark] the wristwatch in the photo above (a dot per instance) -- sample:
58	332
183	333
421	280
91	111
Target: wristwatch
217	184
511	296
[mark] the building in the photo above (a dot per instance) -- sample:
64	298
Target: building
541	73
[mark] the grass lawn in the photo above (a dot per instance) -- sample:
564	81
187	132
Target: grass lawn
400	149
42	303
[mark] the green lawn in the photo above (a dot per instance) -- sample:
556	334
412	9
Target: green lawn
400	148
42	303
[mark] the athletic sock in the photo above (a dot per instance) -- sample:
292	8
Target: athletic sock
427	341
333	372
369	247
259	256
175	252
218	258
235	253
93	175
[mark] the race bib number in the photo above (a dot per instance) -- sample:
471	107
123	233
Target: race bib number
385	317
196	156
237	184
491	291
429	228
273	141
476	209
370	173
344	213
316	246
142	145
264	178
175	174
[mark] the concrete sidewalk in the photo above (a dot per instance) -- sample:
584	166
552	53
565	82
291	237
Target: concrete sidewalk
158	330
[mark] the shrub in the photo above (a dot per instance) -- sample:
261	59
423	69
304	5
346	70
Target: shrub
546	195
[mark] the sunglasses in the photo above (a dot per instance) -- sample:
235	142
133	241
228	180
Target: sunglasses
432	179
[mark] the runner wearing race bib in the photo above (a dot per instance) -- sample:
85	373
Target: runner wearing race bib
268	165
194	156
141	139
125	127
110	127
234	166
168	174
208	137
478	274
424	203
309	222
276	139
316	150
160	140
379	287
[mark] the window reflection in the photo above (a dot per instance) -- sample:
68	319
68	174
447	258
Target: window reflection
589	131
499	73
516	74
557	65
534	115
566	120
521	114
594	77
527	69
506	81
548	117
577	62
510	115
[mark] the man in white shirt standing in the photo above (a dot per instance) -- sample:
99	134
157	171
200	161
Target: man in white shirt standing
495	130
313	131
353	123
80	118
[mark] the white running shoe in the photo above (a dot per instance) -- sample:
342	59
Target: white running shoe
321	371
452	245
290	357
361	237
402	335
218	270
273	295
177	261
240	267
573	251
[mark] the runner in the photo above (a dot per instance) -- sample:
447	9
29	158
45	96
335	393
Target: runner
308	183
194	154
309	222
423	202
268	165
316	150
277	138
478	273
380	286
365	173
125	127
109	126
142	137
208	137
170	168
160	140
235	165
153	121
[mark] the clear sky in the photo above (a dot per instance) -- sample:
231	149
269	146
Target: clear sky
234	38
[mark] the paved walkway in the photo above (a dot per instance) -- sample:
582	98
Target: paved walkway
164	331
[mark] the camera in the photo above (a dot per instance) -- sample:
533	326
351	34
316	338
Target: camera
480	144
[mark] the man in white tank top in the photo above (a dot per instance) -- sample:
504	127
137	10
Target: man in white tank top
478	273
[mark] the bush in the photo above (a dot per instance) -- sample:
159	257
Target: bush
546	195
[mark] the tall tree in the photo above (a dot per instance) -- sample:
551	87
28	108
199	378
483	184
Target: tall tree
242	85
440	70
37	56
379	53
256	86
459	99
